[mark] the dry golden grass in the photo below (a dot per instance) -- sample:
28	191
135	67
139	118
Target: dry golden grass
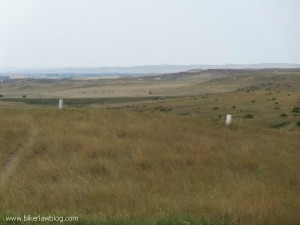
123	163
14	128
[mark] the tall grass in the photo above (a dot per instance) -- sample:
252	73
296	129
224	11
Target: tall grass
119	163
14	127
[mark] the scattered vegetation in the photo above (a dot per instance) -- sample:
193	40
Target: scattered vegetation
296	109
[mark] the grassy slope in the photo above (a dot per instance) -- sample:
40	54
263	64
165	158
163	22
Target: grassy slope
266	107
141	163
116	163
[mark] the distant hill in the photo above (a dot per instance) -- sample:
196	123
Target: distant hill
135	70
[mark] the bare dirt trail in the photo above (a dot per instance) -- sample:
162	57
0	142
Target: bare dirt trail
13	160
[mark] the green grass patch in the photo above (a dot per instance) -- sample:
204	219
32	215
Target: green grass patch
296	110
78	102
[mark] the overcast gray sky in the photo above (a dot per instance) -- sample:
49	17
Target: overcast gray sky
91	33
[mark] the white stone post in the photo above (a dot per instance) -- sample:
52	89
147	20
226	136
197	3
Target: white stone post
228	119
60	104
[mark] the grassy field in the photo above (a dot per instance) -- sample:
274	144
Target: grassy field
121	163
134	160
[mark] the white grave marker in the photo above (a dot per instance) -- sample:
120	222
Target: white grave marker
228	119
60	104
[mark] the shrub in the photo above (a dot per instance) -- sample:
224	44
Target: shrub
215	108
163	109
296	110
283	115
298	123
23	96
1	96
253	101
248	116
233	107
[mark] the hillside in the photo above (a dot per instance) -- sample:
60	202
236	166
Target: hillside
153	150
120	163
174	84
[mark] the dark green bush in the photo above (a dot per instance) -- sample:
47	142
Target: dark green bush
283	115
296	110
248	116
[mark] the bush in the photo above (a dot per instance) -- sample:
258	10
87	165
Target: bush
296	110
283	115
248	116
1	96
253	101
298	123
163	109
215	108
23	96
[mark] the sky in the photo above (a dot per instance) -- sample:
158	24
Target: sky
95	33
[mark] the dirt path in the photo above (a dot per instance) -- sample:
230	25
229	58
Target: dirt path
12	162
